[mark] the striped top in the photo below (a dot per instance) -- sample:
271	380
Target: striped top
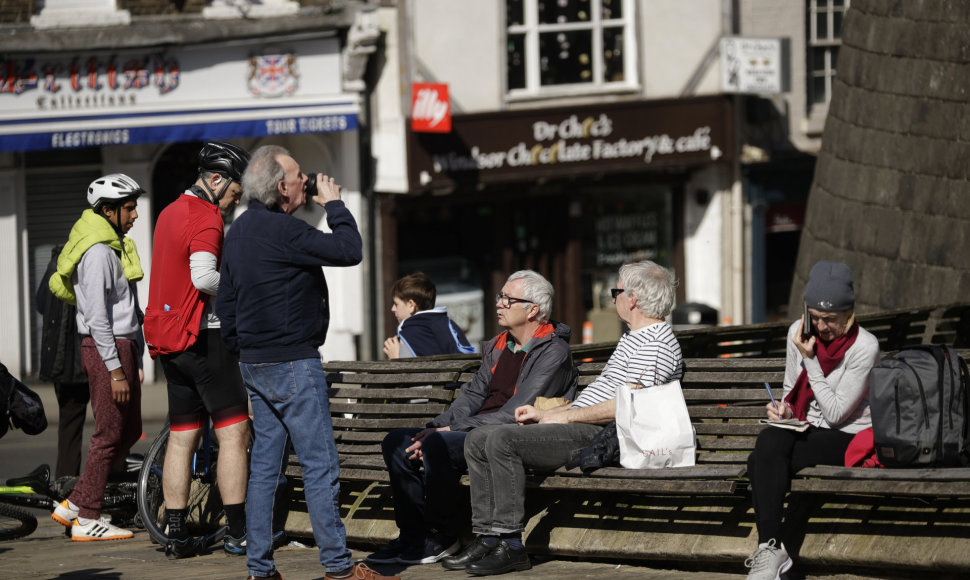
649	355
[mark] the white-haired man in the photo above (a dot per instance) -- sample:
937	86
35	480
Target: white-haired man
529	359
498	456
272	303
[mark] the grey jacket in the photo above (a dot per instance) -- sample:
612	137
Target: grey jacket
547	371
107	303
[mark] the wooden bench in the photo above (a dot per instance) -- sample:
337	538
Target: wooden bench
917	520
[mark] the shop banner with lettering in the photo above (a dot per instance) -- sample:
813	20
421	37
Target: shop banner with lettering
565	141
89	99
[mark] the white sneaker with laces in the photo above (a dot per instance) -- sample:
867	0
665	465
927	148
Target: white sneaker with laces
99	529
65	513
768	562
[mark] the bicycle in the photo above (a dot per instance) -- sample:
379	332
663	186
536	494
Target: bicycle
204	508
205	516
35	490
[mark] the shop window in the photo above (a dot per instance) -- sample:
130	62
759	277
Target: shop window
565	45
825	19
619	225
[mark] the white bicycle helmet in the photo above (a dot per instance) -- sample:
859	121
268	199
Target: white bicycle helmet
112	188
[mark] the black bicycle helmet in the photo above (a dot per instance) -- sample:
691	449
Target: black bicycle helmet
223	158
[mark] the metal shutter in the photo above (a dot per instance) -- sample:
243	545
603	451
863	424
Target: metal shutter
56	196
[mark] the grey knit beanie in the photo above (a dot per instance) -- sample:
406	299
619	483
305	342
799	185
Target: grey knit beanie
829	287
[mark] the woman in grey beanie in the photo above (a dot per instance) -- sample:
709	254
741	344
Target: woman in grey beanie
826	387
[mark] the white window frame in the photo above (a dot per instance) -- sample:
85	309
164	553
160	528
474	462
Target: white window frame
531	30
815	43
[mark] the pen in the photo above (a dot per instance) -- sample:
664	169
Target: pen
771	395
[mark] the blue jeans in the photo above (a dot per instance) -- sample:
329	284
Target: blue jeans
429	500
291	397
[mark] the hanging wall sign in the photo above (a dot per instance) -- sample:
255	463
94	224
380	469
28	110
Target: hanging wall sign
430	108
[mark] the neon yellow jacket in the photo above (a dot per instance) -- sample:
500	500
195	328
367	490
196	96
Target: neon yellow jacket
89	230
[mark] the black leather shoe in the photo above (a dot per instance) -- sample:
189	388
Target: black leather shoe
500	560
276	576
472	553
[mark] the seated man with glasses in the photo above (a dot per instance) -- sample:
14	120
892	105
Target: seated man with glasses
544	440
530	359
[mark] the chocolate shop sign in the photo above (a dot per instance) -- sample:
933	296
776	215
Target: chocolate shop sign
521	145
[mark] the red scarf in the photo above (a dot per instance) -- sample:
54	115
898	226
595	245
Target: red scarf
829	356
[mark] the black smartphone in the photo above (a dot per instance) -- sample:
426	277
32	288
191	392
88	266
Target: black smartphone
806	322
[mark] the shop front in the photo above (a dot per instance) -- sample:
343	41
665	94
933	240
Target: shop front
572	192
69	117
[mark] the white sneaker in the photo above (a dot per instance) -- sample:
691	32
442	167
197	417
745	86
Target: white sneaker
768	562
65	513
99	529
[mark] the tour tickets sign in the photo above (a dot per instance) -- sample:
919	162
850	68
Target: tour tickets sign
565	141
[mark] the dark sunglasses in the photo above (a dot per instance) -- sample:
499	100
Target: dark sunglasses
614	292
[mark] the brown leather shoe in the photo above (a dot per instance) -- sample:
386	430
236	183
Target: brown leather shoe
361	571
276	576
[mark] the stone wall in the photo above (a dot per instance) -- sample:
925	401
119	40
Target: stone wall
891	194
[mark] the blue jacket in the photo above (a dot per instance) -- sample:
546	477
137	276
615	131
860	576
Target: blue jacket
273	300
431	332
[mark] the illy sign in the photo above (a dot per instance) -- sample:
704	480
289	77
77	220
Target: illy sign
430	108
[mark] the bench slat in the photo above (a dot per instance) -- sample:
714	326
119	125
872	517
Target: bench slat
420	409
373	449
722	457
883	487
864	473
754	377
696	472
728	395
727	412
380	476
361	461
359	436
397	378
411	365
659	486
731	443
402	393
751	429
378	424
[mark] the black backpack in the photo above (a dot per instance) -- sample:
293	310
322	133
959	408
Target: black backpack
19	406
918	400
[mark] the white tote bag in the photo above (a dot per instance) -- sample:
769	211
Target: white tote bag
653	427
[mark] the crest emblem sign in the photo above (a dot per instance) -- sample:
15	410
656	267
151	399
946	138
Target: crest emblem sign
272	74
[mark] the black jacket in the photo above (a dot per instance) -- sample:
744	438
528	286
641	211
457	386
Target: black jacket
273	302
60	344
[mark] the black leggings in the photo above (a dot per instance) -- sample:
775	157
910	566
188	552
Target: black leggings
779	454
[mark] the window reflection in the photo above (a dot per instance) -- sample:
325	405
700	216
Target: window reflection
564	57
563	11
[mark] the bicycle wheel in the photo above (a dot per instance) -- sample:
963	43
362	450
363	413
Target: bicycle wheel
15	522
204	510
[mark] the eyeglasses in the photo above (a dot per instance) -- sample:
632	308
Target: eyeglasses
614	292
507	301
